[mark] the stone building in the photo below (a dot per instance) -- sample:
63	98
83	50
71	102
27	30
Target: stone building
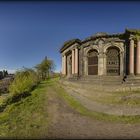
102	54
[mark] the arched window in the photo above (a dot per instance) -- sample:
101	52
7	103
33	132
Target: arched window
113	61
92	62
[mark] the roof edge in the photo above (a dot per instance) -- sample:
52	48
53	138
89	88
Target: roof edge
68	43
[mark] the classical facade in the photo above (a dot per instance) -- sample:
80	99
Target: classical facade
102	54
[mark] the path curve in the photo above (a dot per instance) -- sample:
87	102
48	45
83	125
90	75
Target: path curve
110	109
66	123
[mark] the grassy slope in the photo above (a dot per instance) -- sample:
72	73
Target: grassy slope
27	118
95	115
116	97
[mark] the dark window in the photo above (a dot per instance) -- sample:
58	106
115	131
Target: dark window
92	62
113	61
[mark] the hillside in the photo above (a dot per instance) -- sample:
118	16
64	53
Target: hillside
26	118
51	112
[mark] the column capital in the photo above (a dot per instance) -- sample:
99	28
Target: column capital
101	54
76	47
131	37
131	40
138	40
63	55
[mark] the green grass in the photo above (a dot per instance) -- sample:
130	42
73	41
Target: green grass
120	98
104	97
95	115
116	98
26	118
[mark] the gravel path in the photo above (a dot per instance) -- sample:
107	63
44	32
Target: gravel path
99	107
66	123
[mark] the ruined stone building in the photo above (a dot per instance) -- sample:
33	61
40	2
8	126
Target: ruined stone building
102	54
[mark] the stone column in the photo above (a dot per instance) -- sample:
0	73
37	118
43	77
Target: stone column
131	57
73	63
64	64
121	63
138	58
104	65
76	60
85	65
100	64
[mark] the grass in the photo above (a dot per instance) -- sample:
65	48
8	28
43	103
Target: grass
2	97
95	115
119	98
130	98
26	118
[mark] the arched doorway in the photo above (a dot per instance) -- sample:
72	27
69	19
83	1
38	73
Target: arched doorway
92	62
113	61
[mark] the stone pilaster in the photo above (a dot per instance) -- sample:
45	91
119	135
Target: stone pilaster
76	61
64	64
73	62
85	65
121	63
100	64
131	57
104	64
138	58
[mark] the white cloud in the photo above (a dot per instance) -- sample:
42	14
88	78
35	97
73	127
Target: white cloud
11	71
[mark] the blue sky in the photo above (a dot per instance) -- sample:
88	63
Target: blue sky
29	31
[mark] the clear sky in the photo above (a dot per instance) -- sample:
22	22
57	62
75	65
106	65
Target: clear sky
29	31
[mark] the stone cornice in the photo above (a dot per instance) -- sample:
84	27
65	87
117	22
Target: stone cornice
121	36
69	43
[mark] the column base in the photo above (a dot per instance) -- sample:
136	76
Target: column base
63	76
131	75
76	76
138	74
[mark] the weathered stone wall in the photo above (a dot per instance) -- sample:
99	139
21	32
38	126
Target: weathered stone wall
128	52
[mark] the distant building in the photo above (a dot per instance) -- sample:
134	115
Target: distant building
102	54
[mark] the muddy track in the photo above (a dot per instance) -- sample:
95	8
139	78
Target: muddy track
67	123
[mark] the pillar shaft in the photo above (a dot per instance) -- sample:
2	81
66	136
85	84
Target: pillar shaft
131	58
73	63
122	63
100	64
76	61
138	58
64	65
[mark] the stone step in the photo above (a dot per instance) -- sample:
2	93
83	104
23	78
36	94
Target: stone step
102	82
108	80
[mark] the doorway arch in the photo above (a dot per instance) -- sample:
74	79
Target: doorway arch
92	62
113	61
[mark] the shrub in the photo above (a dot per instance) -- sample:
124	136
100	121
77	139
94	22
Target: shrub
24	81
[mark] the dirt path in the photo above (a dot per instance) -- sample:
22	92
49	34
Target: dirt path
105	108
67	123
80	95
